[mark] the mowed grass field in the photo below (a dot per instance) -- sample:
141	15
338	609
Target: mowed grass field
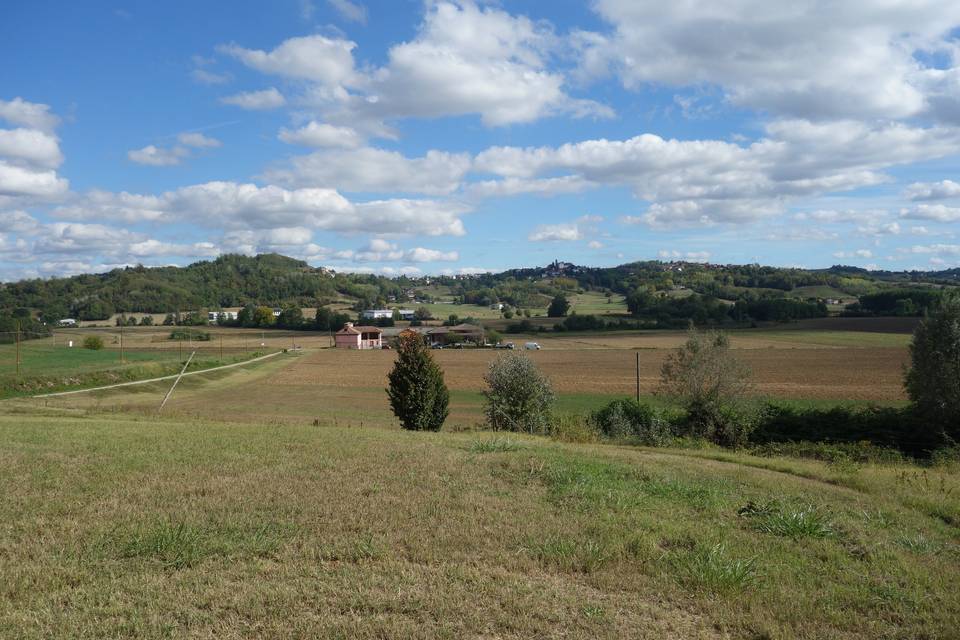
51	365
114	526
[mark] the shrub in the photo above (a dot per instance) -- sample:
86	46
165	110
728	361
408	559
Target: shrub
710	383
572	428
627	418
187	334
833	452
94	343
558	306
519	396
879	426
418	395
577	322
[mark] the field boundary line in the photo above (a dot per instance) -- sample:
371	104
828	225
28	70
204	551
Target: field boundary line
160	379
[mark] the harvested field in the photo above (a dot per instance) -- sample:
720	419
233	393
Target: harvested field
347	387
860	374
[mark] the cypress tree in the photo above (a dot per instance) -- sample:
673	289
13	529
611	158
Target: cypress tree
933	380
418	395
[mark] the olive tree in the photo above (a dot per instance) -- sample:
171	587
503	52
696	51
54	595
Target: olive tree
710	383
933	379
518	395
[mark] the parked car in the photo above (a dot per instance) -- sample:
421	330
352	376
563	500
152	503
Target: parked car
532	346
504	345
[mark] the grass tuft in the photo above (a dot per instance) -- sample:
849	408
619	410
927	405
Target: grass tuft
497	444
569	554
806	522
714	570
919	544
177	545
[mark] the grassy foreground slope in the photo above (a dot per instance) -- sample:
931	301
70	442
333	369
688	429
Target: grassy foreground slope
119	527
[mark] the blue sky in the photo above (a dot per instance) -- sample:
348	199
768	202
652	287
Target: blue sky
452	136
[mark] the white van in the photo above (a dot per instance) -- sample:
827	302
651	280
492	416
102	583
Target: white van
532	346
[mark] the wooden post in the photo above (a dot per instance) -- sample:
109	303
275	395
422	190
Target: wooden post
221	348
18	348
638	377
121	344
180	345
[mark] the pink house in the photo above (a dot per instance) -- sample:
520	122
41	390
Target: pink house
351	337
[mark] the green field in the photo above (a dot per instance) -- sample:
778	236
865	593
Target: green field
125	528
45	368
820	291
594	302
40	358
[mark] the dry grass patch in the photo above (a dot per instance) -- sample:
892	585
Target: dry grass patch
118	527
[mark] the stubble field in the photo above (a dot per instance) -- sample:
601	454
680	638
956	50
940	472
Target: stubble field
347	387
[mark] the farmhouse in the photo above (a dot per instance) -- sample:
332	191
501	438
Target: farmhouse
360	337
376	314
458	333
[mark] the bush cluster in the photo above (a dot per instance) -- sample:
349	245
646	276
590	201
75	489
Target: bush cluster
629	419
186	334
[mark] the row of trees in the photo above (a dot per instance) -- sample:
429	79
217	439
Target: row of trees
707	382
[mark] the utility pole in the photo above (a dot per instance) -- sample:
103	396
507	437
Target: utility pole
638	377
18	348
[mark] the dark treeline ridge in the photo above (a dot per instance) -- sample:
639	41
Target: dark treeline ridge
657	292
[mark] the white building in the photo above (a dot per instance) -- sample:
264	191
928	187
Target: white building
214	316
406	314
376	314
68	322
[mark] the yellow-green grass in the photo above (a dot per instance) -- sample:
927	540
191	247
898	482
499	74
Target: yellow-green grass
120	527
442	311
595	303
820	291
46	368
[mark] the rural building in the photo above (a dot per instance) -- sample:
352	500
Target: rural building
406	314
458	333
68	322
376	314
359	337
214	316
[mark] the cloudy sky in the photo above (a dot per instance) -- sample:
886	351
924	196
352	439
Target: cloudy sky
402	136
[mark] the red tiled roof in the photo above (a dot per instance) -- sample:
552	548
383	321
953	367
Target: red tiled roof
357	330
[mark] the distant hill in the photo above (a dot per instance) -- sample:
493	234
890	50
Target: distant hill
276	280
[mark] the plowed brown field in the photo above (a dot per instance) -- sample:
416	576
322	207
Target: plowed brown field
854	374
348	386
